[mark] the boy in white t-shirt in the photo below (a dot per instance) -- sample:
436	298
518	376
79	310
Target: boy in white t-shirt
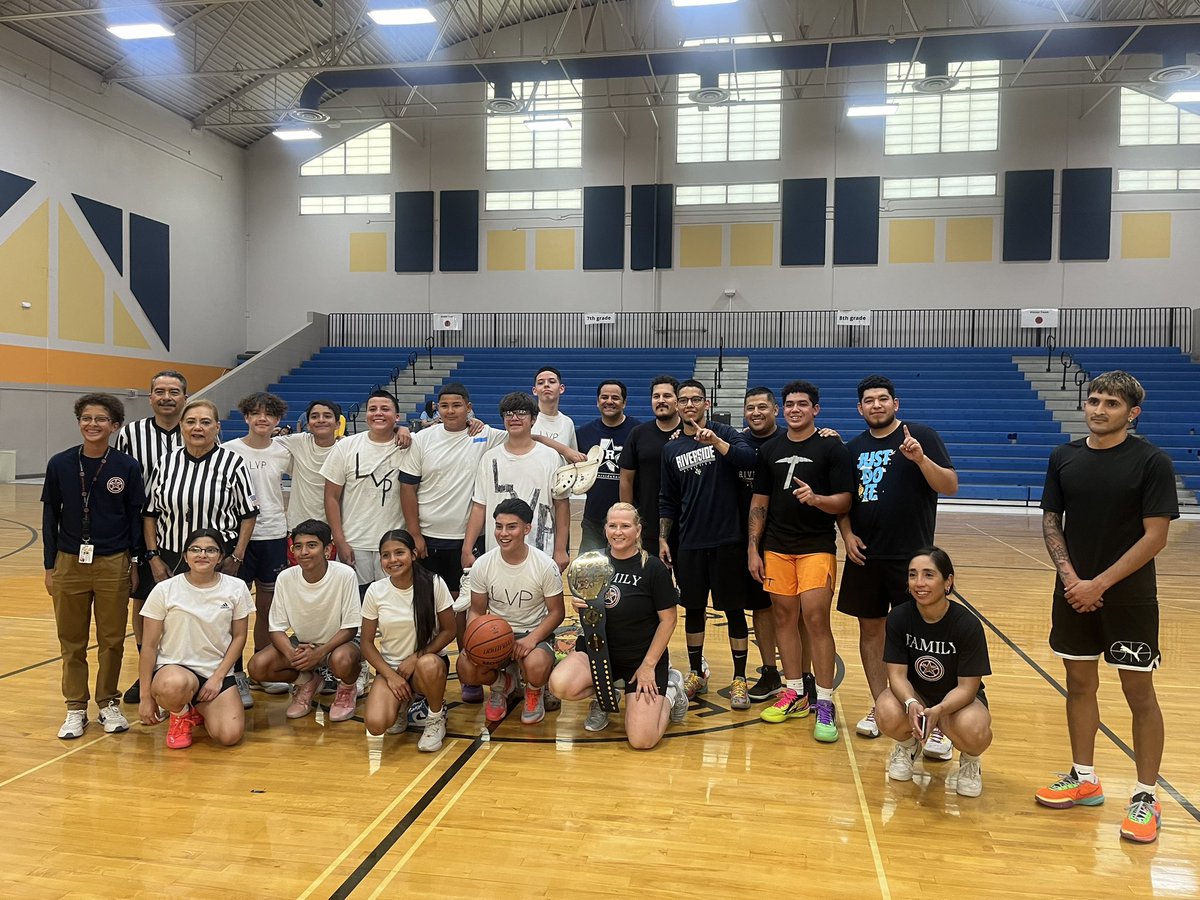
317	601
558	426
361	497
309	450
267	463
520	469
523	586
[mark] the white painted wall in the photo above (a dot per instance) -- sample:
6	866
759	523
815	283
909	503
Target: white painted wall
296	264
65	130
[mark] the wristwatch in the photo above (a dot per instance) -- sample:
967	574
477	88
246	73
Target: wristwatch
149	555
909	702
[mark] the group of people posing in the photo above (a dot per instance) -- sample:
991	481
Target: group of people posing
392	542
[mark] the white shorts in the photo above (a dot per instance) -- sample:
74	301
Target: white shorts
368	567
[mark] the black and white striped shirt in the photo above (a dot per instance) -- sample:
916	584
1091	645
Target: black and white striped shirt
188	492
147	443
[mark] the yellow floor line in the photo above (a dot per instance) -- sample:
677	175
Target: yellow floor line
866	813
51	761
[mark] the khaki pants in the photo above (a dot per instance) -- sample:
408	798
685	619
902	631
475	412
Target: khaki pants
104	586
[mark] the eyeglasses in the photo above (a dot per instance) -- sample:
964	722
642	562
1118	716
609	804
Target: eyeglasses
517	414
163	392
205	551
99	420
692	401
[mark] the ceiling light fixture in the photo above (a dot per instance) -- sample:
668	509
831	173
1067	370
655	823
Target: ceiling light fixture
1185	97
872	109
701	2
404	15
297	134
138	31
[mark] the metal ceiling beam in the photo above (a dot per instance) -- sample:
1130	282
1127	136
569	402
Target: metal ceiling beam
1064	27
105	10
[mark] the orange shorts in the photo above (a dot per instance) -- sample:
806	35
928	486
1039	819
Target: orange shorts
789	574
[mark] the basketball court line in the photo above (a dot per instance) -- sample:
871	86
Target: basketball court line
33	536
884	891
491	754
1042	564
371	827
53	659
48	762
1178	797
354	879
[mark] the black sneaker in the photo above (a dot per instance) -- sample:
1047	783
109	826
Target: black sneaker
134	694
810	689
767	686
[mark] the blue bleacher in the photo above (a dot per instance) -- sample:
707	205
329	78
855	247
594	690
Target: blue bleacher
995	427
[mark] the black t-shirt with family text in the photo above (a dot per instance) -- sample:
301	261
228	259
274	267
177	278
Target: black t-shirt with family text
895	510
1104	495
825	465
937	653
636	594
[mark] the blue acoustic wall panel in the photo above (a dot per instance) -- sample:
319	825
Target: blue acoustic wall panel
458	238
414	231
856	221
651	220
604	227
12	188
1028	215
1085	219
802	235
106	225
150	272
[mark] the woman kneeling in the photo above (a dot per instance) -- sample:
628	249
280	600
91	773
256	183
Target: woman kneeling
195	630
936	656
639	620
412	613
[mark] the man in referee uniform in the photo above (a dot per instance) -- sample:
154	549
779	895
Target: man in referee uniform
148	441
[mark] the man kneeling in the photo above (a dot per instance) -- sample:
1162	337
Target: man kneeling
317	600
523	586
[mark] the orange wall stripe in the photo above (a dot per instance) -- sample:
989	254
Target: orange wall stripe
34	365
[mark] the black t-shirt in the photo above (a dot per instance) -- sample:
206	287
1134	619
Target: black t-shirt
699	489
642	454
1104	495
633	600
607	489
895	509
115	499
825	465
936	653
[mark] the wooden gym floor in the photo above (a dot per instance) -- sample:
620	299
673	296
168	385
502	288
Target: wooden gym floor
726	806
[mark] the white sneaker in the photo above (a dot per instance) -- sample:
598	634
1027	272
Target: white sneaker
900	763
434	733
113	719
401	724
597	718
74	725
276	687
866	725
938	746
363	675
679	701
970	777
243	688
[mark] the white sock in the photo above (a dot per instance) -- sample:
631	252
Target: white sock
1151	789
435	714
796	684
824	693
909	744
1085	773
964	757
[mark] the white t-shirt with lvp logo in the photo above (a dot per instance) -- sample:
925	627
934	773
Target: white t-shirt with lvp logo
517	593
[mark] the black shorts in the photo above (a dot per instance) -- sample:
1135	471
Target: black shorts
264	561
1125	634
871	591
444	559
756	595
928	700
624	670
715	570
226	684
146	580
592	536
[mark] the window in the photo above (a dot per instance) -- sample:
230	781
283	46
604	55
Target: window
965	118
945	186
369	153
510	145
746	128
500	200
706	194
1158	179
346	205
1146	120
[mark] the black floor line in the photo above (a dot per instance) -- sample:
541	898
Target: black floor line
46	662
33	535
1054	683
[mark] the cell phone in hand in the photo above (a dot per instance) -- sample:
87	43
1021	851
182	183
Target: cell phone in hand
923	724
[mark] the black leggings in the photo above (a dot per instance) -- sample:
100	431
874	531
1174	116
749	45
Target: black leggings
694	619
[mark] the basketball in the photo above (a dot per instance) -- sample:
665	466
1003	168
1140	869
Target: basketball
488	640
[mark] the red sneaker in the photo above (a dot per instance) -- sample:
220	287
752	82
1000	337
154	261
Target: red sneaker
179	731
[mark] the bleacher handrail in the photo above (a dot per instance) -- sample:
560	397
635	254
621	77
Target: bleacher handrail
810	328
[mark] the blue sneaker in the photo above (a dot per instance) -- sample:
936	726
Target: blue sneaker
418	713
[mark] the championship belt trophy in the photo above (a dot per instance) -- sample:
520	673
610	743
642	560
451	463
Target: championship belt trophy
589	577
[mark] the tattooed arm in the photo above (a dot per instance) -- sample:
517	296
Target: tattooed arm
1056	546
664	531
758	522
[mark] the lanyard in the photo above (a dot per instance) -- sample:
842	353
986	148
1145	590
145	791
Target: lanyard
86	491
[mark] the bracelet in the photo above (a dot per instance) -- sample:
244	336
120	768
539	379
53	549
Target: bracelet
909	702
236	559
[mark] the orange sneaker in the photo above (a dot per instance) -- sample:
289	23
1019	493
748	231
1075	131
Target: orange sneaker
1070	791
179	731
1142	819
